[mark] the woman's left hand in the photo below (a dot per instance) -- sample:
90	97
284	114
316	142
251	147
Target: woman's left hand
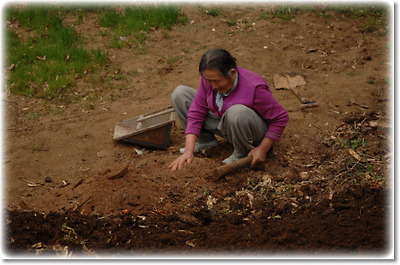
258	156
260	152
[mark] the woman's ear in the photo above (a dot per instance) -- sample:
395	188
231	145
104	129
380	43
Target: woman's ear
233	72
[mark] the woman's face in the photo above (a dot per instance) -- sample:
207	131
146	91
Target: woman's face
218	81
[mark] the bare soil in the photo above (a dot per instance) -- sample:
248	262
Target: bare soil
312	196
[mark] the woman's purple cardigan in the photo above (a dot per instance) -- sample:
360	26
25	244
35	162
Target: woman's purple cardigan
252	91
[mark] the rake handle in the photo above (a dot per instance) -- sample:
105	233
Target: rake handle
225	169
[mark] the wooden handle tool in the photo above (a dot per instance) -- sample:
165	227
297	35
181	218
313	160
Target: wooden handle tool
225	169
305	103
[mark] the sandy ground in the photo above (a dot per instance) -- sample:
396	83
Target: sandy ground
312	193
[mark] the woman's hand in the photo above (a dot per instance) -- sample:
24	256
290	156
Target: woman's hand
258	156
187	155
177	164
260	152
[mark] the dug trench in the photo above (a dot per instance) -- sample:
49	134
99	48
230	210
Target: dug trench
323	188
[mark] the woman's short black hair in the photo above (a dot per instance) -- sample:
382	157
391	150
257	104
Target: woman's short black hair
217	59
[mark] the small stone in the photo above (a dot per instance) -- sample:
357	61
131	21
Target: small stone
103	153
304	176
48	179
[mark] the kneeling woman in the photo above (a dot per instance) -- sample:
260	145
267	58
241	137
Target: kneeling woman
231	102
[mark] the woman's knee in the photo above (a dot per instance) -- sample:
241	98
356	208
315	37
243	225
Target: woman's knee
178	92
183	93
238	112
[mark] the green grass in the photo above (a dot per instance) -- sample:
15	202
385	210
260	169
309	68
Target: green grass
357	11
372	17
215	12
131	26
48	56
359	142
284	13
353	144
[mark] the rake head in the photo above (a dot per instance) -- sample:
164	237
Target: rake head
308	104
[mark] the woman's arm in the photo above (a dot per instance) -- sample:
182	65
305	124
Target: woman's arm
271	111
